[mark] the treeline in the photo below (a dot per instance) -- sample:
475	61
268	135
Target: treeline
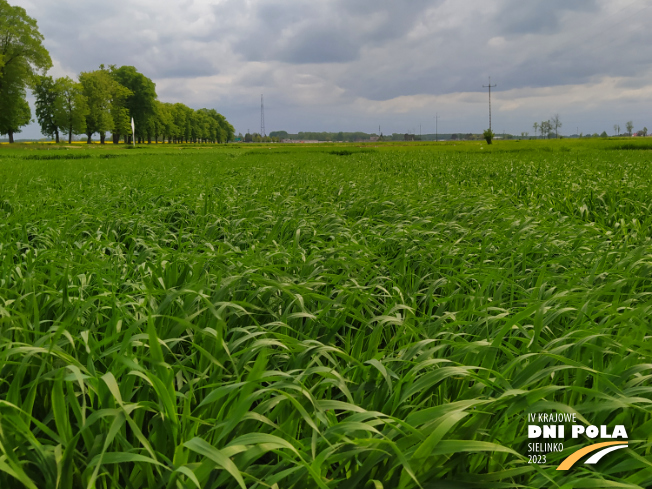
257	138
363	136
100	102
323	136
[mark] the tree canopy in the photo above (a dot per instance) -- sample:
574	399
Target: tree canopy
14	109
47	90
22	56
21	44
101	101
71	108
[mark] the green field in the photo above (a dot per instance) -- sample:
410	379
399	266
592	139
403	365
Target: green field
348	316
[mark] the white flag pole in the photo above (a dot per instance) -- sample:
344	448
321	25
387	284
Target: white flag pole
133	131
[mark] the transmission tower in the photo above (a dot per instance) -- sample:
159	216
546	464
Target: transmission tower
262	117
490	86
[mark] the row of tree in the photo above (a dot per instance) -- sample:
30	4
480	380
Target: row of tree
547	128
629	126
257	138
104	101
324	136
100	102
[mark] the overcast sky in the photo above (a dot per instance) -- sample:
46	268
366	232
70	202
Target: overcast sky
354	65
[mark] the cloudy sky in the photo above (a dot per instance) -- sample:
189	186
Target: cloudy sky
354	65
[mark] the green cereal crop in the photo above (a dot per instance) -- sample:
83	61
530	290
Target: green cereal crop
269	316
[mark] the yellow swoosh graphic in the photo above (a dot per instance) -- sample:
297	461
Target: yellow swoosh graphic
575	456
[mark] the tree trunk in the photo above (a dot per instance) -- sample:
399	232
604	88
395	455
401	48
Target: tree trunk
70	136
88	141
149	139
116	138
102	137
11	137
57	134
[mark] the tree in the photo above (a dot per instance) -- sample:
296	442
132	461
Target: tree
104	95
617	129
545	127
163	121
14	109
630	127
71	108
120	113
22	55
21	47
488	135
46	90
536	128
179	112
604	134
140	103
556	124
645	131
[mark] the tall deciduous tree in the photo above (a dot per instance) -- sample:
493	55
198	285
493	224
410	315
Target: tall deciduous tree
46	91
140	103
179	115
556	124
71	108
106	103
22	55
546	127
163	121
120	113
21	44
14	109
630	127
97	87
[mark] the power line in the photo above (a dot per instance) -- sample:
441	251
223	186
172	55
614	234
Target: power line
490	86
262	117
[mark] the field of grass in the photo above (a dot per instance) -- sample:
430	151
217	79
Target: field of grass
345	317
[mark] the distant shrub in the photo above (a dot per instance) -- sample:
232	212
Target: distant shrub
71	156
488	136
632	146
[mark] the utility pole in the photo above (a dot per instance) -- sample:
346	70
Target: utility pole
490	86
262	117
436	127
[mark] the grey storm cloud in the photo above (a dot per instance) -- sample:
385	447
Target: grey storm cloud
328	32
309	56
538	17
